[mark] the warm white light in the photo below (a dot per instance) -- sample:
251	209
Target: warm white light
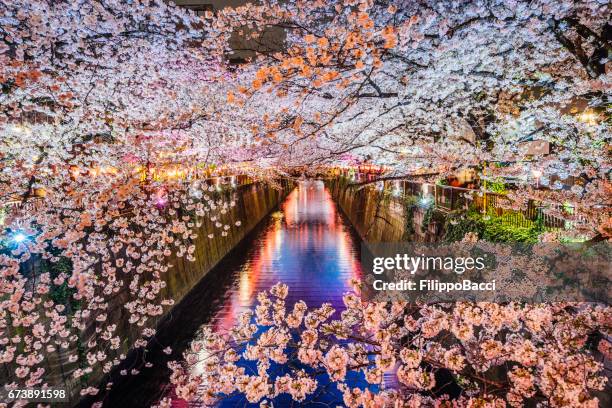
588	117
397	189
20	129
536	173
196	192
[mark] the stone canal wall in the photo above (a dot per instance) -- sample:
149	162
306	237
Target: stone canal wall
253	202
378	216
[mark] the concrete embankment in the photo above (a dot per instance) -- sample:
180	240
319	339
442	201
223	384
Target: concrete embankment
378	216
253	202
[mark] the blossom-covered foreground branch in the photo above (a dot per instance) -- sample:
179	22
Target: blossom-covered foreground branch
494	354
102	109
112	110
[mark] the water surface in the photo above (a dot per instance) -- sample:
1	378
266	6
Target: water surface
306	244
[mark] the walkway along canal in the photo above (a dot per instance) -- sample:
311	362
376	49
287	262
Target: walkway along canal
306	244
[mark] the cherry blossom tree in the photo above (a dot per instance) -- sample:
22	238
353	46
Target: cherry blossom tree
497	354
437	85
109	116
111	110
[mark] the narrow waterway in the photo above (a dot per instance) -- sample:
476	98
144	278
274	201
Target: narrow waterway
306	244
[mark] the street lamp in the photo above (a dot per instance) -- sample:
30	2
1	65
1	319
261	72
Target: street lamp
425	202
589	117
537	174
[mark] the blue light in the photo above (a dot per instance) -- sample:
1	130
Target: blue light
425	202
19	237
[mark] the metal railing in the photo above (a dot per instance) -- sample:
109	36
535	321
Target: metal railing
449	198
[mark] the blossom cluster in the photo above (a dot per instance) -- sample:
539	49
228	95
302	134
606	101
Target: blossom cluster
514	89
496	354
111	111
102	167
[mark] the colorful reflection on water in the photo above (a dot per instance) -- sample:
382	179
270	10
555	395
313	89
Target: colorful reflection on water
306	245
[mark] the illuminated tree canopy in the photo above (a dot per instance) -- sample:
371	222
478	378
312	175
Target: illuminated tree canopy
112	111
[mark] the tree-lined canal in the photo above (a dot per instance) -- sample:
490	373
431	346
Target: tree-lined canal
306	244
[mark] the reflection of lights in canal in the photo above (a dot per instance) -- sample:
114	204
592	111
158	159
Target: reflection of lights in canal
306	245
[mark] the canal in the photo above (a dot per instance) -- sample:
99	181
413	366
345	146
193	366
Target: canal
307	244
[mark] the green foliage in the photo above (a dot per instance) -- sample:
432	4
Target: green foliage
432	215
63	295
497	186
410	204
456	226
427	217
490	228
568	208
